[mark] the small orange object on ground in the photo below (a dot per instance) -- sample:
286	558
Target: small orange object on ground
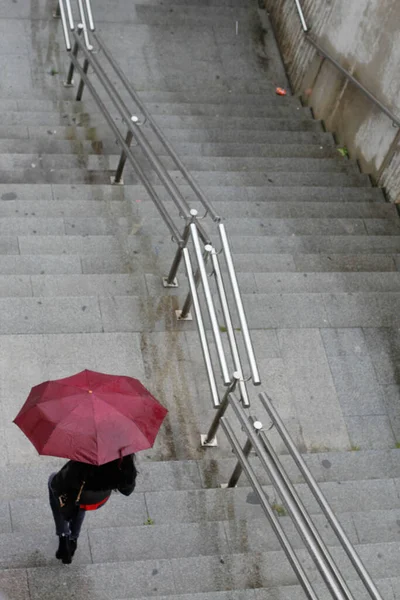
281	91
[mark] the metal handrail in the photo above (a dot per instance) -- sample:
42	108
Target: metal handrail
255	437
327	510
210	305
229	326
273	519
193	230
395	120
61	13
316	547
202	331
239	305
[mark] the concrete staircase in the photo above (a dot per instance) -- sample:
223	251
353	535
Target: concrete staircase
317	252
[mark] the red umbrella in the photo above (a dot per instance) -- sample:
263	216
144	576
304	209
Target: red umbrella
91	417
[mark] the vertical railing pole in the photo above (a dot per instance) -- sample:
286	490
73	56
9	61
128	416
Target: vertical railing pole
238	469
188	302
170	280
82	83
122	160
209	439
69	81
246	451
57	12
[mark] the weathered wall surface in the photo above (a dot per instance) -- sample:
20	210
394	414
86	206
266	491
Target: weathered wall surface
364	36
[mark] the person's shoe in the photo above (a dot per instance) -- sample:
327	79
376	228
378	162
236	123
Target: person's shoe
73	544
64	551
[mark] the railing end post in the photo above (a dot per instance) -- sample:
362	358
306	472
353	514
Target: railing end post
170	284
206	443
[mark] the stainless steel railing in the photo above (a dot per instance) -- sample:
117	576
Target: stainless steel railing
198	254
194	244
395	120
257	439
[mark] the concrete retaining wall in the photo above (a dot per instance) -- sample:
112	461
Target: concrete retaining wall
364	36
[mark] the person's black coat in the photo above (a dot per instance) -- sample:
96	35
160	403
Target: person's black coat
99	481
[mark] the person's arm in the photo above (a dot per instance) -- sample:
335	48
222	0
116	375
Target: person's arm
128	477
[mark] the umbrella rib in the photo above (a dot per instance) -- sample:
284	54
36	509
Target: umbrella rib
118	411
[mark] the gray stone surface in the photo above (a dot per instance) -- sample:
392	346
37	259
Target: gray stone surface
358	390
143	578
37	549
39	265
158	541
344	263
44	315
312	387
66	244
315	245
384	348
14	584
391	398
88	285
372	432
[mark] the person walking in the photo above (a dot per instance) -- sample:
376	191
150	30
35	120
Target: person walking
79	487
99	422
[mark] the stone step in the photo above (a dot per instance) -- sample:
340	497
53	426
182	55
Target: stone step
204	574
250	194
250	282
292	165
277	263
386	588
273	119
180	540
171	14
32	225
78	209
42	264
93	314
28	481
231	210
339	244
180	97
118	263
208	122
147	210
60	146
309	226
247	226
77	115
325	282
46	161
199	135
213	178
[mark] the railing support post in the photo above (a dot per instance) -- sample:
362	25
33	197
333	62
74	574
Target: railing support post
209	439
117	179
69	82
57	12
82	83
184	314
237	471
170	280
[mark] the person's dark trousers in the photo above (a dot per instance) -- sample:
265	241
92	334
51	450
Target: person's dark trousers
70	528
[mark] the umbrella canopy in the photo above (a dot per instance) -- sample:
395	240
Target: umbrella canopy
91	417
